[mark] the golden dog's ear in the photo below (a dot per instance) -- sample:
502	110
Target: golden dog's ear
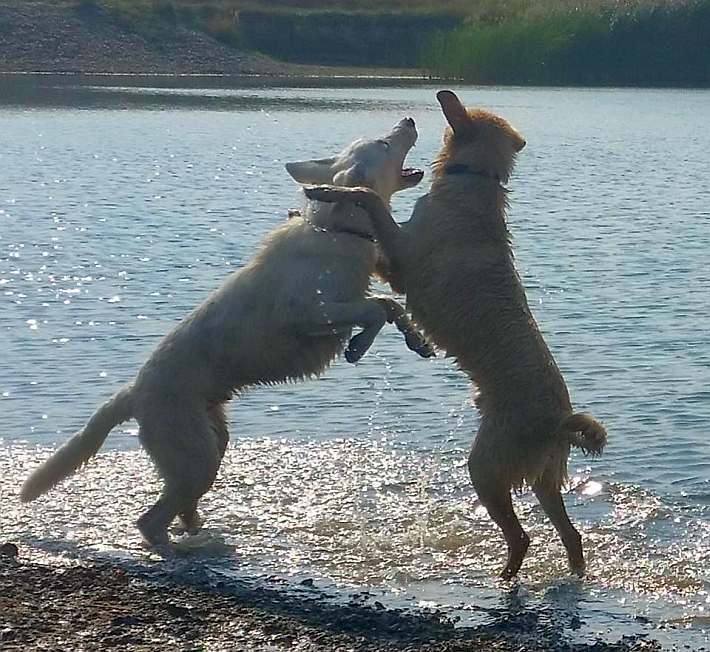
318	171
455	112
352	177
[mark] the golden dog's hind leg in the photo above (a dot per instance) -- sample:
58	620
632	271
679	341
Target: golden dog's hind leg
497	500
494	491
551	501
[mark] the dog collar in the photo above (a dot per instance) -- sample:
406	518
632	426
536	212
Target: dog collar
462	168
360	234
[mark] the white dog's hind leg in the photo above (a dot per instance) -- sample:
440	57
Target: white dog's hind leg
180	438
153	524
190	519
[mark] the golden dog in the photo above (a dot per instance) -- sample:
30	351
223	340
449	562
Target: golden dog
454	260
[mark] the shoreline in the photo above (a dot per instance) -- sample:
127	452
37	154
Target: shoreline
87	37
41	38
100	606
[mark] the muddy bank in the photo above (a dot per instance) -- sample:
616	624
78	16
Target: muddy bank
102	607
41	37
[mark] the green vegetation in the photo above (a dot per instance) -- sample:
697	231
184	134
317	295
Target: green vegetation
655	45
335	38
588	42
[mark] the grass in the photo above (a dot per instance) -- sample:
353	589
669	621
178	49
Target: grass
651	44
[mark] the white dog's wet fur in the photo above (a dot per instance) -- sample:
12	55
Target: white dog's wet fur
284	316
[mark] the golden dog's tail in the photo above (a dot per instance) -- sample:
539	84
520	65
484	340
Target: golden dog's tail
585	432
80	448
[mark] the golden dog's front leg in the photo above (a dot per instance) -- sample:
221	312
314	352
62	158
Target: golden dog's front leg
397	315
390	237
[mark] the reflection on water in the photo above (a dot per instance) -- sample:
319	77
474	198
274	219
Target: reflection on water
115	223
363	512
217	93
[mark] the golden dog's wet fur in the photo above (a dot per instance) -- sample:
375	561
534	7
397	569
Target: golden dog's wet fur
454	260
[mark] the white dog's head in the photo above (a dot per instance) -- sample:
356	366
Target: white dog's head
375	163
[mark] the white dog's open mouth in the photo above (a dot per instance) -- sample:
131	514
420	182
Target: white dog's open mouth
411	177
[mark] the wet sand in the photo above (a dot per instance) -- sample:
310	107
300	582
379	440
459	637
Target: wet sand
104	607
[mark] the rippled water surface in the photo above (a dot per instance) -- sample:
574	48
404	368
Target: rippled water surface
123	203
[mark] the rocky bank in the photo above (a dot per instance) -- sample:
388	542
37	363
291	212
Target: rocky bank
84	38
111	607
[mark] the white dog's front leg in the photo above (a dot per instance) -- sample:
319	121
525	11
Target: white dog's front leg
331	317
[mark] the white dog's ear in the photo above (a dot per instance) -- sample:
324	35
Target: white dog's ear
353	176
318	171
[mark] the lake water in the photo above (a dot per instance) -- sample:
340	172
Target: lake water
123	202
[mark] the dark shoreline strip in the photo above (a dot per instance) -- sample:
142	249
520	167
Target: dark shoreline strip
103	607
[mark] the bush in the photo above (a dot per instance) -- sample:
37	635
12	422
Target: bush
657	45
344	38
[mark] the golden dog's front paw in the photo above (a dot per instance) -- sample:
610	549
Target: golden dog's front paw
416	342
364	197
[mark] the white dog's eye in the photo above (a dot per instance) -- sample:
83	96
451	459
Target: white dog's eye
384	142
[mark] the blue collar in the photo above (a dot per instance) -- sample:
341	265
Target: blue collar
462	168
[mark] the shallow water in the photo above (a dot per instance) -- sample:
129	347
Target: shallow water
123	202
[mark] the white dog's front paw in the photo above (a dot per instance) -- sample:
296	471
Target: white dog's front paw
352	355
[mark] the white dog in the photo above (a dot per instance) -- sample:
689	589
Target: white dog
285	316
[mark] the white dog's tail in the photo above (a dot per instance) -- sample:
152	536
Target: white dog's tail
585	432
80	448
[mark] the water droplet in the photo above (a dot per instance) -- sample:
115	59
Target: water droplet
592	488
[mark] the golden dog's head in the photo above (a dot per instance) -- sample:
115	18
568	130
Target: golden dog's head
481	141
